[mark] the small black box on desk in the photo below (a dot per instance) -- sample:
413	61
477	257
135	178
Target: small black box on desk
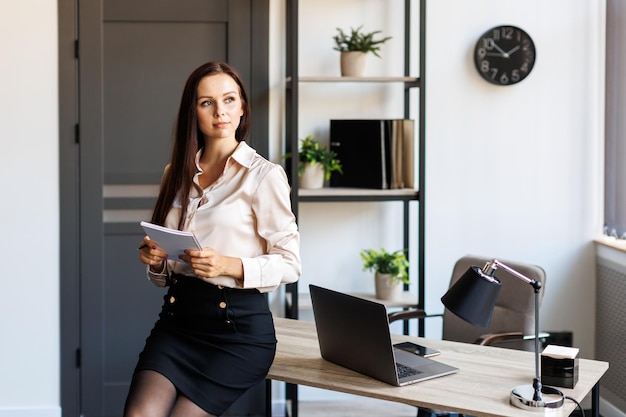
559	366
374	153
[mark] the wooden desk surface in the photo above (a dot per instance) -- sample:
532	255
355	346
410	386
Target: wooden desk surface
481	387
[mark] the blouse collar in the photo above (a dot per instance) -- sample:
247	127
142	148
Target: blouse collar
243	155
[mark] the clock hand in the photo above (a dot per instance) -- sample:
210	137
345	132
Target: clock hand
504	54
513	50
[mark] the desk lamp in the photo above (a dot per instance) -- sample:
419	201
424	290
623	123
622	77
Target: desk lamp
473	298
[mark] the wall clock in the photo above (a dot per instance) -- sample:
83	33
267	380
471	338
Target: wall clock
504	55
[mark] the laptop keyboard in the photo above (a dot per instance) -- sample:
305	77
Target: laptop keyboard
404	371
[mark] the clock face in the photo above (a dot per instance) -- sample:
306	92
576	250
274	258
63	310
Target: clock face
504	55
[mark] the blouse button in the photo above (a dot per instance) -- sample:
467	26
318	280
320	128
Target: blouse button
221	287
172	299
222	304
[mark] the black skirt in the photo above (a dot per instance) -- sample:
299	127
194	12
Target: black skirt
213	343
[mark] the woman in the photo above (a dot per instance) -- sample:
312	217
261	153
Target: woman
215	336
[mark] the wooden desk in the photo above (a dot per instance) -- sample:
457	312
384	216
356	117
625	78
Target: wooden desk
481	387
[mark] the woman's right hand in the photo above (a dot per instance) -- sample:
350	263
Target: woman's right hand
151	254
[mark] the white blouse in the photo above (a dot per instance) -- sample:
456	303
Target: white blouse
245	214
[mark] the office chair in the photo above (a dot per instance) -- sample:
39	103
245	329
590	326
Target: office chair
512	324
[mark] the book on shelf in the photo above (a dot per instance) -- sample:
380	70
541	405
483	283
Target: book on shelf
374	153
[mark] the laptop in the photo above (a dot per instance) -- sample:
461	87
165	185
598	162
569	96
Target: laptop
354	333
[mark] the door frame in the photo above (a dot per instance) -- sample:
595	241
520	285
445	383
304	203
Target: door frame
75	228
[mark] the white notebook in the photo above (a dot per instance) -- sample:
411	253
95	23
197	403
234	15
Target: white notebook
172	241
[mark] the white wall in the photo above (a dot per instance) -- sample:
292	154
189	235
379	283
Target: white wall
516	172
29	213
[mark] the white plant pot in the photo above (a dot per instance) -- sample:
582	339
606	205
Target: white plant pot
312	177
353	64
387	288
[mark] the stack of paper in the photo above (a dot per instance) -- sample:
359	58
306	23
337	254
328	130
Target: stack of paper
172	241
560	352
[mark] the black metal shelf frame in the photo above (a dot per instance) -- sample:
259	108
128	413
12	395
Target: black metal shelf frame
291	129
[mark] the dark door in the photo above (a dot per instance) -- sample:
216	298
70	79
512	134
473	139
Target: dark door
133	59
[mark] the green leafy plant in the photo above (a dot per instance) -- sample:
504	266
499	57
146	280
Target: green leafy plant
311	151
383	262
356	40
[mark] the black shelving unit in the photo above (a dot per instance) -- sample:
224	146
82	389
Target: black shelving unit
334	195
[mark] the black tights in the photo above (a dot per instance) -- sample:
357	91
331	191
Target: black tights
153	395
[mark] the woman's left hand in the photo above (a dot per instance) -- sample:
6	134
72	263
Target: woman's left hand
207	263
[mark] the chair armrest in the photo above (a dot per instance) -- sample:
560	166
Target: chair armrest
491	338
411	313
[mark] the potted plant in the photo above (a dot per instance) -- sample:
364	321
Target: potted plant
390	268
354	47
316	163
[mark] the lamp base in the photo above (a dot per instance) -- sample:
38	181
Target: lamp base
522	397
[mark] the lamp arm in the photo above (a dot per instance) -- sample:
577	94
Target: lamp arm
489	269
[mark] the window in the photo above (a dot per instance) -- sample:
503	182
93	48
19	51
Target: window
615	122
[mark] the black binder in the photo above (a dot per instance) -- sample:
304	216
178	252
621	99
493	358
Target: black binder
374	153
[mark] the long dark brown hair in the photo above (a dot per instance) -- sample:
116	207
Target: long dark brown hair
188	139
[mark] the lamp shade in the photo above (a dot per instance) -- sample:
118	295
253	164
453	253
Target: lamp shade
473	297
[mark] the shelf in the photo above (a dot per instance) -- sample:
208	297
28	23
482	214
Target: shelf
356	194
407	85
410	81
405	77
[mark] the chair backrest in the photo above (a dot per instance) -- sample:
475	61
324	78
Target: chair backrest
515	307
